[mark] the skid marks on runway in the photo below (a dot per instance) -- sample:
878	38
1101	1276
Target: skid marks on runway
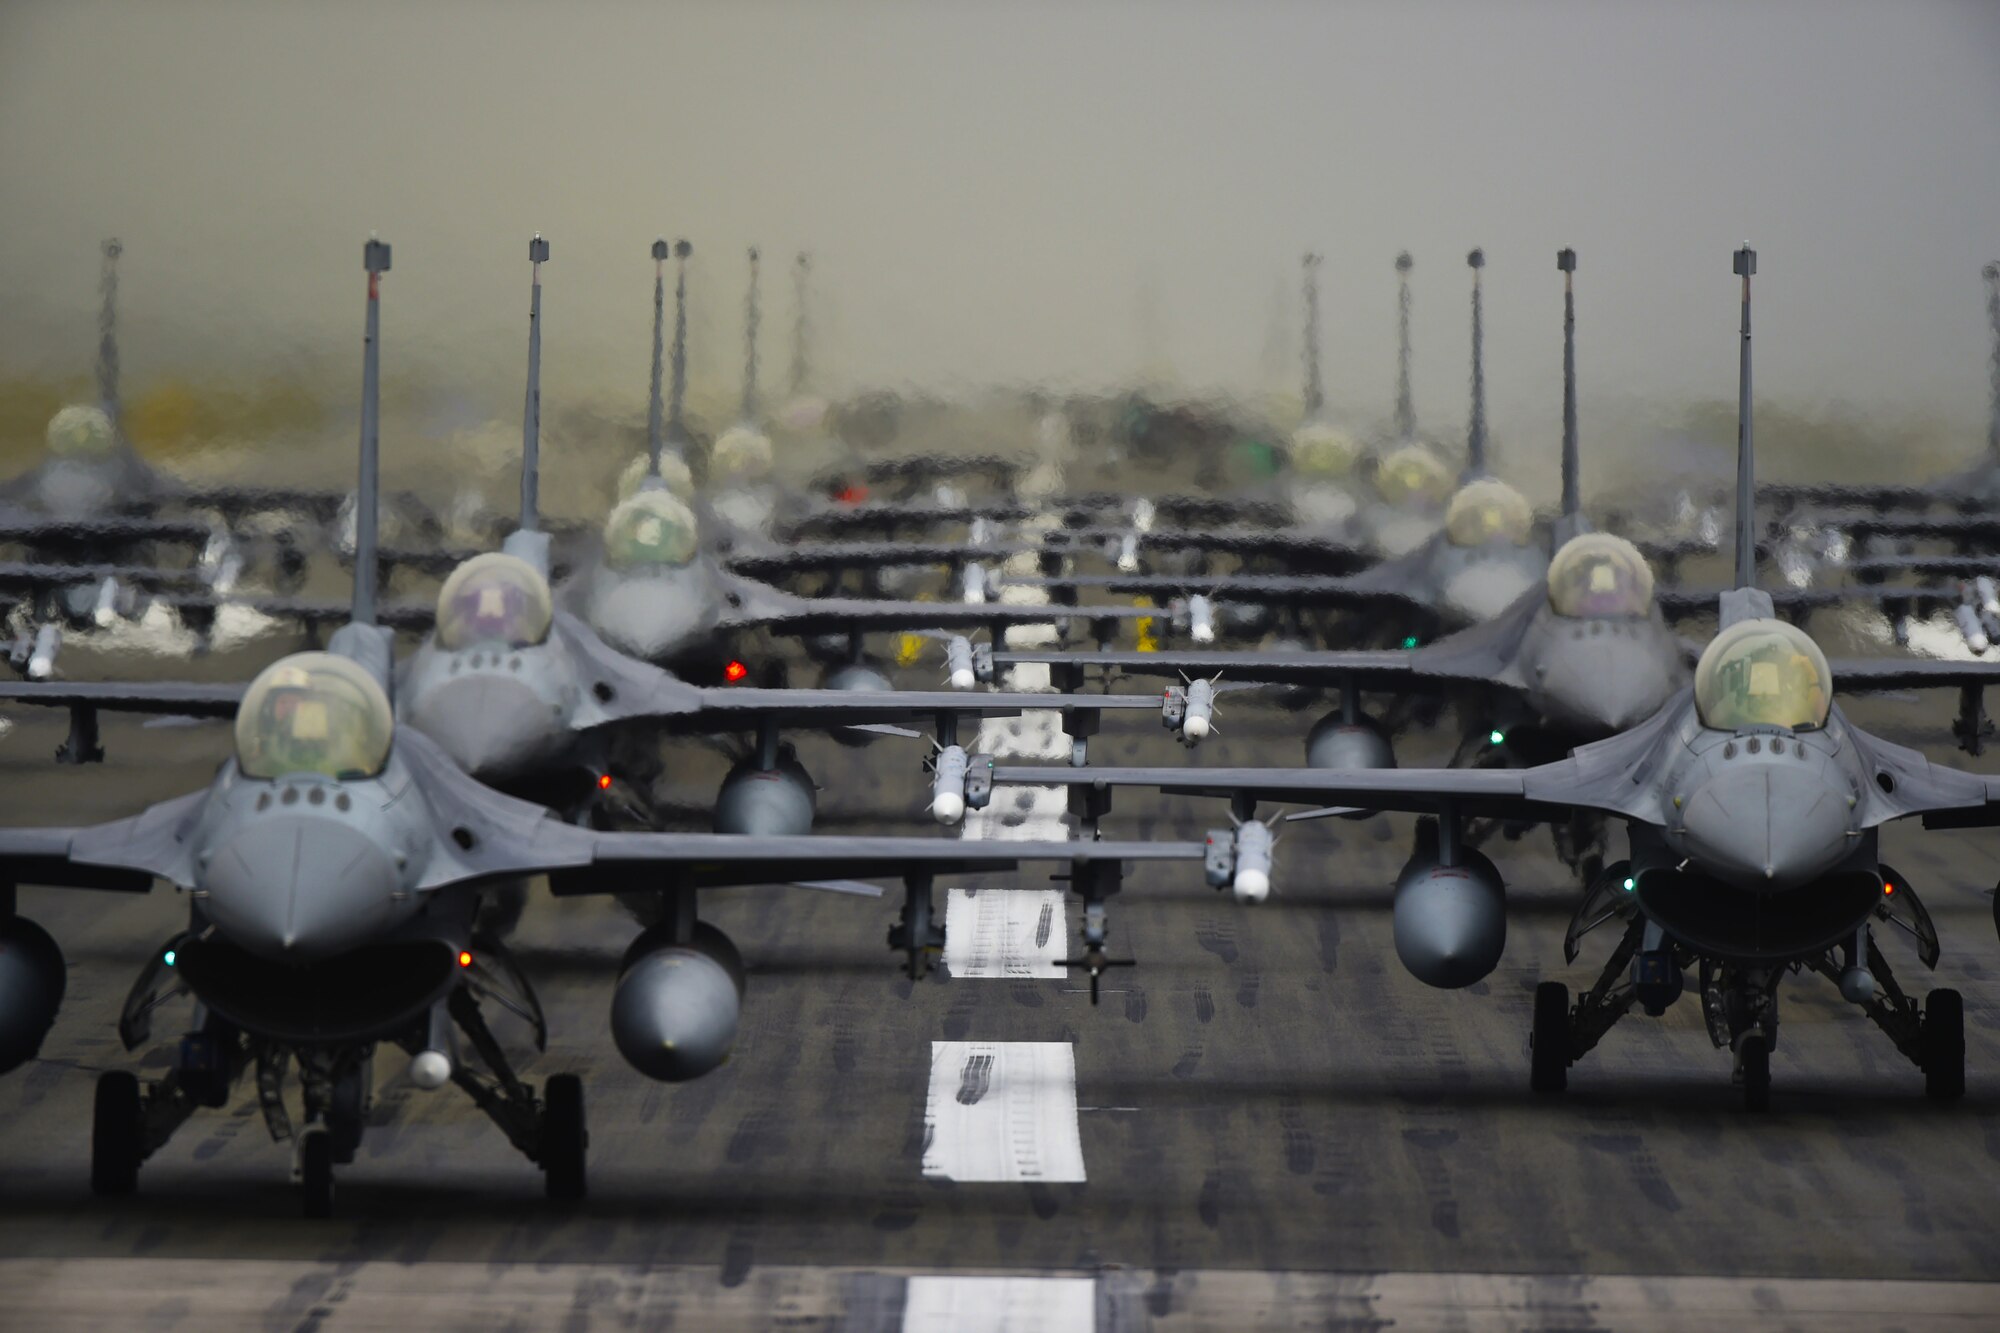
1002	1111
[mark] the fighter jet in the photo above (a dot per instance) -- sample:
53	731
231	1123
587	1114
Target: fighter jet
1752	807
527	698
1469	569
335	868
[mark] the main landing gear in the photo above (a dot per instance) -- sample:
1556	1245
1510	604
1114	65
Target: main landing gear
1740	1000
131	1121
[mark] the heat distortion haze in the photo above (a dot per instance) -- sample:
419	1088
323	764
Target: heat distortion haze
999	668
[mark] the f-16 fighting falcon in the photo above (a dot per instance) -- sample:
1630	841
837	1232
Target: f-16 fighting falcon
334	870
527	698
1752	808
1482	557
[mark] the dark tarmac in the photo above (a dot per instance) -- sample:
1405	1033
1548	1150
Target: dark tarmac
1266	1103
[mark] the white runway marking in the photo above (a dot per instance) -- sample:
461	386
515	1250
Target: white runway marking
1000	1305
1005	933
1002	1111
1022	814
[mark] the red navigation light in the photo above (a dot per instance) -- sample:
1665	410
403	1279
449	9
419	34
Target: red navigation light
1887	888
851	494
735	672
464	958
604	782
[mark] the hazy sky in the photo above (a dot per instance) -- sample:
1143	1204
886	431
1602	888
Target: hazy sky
1010	192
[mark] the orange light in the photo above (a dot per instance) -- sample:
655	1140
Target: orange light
1887	888
464	958
734	672
604	782
851	494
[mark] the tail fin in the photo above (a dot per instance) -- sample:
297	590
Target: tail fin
1315	391
801	270
752	315
1572	496
677	394
1746	468
1475	431
1993	314
531	412
1406	412
375	259
107	338
653	396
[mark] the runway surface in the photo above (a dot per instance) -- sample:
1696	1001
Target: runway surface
1274	1125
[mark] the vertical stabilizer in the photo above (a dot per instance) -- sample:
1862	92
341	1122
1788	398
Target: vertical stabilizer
367	498
1315	390
1746	466
107	338
801	269
1572	492
752	316
1475	431
531	411
1993	370
653	414
677	392
1406	412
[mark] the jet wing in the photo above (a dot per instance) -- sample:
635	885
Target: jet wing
484	835
126	855
1506	793
840	615
1680	603
1370	670
1869	674
811	557
727	708
24	576
41	530
414	617
1302	589
177	699
1873	496
1320	549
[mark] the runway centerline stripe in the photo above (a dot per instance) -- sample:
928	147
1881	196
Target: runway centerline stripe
1002	1111
1000	1305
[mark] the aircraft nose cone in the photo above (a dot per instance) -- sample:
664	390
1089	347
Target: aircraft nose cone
300	886
494	727
1764	828
1602	686
654	619
1484	589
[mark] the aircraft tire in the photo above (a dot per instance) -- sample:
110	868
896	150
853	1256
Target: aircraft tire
316	1172
1548	1044
1756	1057
115	1128
563	1137
1942	1044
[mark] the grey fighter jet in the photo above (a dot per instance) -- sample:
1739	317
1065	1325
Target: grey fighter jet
1752	808
527	698
334	870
